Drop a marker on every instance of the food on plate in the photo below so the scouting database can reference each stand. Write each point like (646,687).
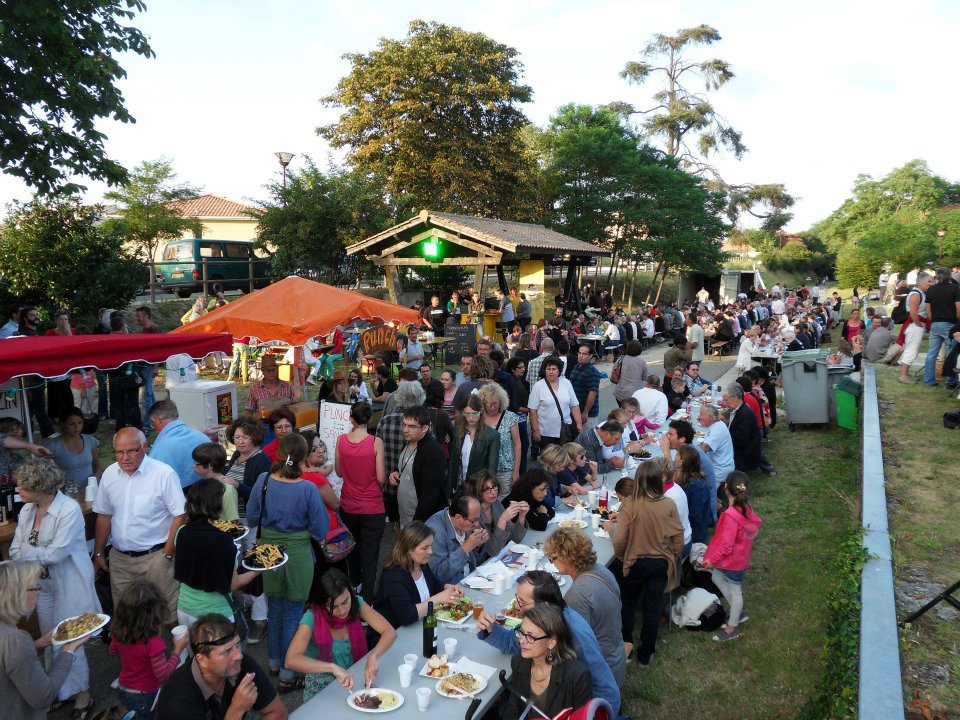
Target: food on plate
(454,611)
(438,666)
(604,513)
(375,700)
(699,434)
(234,528)
(460,684)
(641,454)
(512,611)
(75,627)
(573,523)
(263,555)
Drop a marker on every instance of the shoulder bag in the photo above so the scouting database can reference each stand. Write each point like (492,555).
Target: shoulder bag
(617,369)
(568,431)
(338,543)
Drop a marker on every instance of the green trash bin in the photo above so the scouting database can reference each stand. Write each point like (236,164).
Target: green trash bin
(847,392)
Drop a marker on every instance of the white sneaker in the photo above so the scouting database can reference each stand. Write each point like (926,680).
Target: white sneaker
(116,683)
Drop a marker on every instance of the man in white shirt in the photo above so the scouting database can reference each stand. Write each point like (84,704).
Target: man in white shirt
(778,306)
(139,507)
(652,401)
(13,322)
(648,329)
(717,442)
(413,356)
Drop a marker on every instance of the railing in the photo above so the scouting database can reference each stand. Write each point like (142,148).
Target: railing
(881,690)
(205,278)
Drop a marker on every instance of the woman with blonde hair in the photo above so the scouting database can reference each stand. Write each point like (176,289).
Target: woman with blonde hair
(52,532)
(594,593)
(476,445)
(26,688)
(505,423)
(407,584)
(748,344)
(648,542)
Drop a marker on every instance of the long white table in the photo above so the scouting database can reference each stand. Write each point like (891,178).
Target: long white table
(332,701)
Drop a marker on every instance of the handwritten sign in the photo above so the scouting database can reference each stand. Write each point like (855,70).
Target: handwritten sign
(463,341)
(13,401)
(378,339)
(332,422)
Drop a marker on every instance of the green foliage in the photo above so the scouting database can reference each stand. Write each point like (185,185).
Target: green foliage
(436,114)
(58,253)
(437,277)
(146,216)
(57,80)
(837,692)
(307,227)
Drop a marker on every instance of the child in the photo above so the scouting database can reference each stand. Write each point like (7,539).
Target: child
(579,471)
(728,553)
(210,460)
(144,662)
(623,489)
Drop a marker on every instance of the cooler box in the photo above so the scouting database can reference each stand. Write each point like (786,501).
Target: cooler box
(206,402)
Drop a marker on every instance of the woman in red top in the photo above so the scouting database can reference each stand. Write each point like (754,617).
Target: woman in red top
(359,460)
(282,422)
(852,326)
(317,469)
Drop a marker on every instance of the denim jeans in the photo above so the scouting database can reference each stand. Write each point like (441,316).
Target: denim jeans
(326,363)
(367,530)
(140,702)
(283,619)
(524,444)
(648,577)
(939,337)
(730,584)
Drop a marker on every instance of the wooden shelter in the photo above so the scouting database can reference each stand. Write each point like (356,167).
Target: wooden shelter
(432,239)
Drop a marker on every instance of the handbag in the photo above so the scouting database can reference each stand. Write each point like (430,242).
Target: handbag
(91,420)
(568,431)
(256,585)
(338,543)
(617,369)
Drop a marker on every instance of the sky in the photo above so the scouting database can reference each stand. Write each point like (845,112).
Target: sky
(824,91)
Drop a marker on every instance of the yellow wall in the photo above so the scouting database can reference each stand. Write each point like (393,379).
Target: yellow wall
(228,229)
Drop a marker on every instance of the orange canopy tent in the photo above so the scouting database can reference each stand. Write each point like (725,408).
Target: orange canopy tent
(294,310)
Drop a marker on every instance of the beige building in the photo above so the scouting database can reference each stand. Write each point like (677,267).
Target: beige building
(222,219)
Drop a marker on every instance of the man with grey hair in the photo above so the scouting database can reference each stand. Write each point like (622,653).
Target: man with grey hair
(943,310)
(744,432)
(915,323)
(139,507)
(879,340)
(716,442)
(175,441)
(547,348)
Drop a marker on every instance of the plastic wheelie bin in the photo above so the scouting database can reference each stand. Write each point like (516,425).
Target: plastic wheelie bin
(847,393)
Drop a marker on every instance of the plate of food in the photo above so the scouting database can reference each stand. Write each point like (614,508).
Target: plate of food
(640,454)
(436,667)
(234,528)
(78,627)
(512,617)
(375,700)
(460,685)
(264,556)
(455,613)
(570,523)
(699,434)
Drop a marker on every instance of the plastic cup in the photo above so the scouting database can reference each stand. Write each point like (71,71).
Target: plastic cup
(178,632)
(406,674)
(450,647)
(477,609)
(592,498)
(423,698)
(411,659)
(595,521)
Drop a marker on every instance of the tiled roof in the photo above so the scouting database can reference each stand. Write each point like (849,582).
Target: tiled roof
(212,206)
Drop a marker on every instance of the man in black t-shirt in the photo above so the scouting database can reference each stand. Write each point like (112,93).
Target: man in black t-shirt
(943,309)
(221,679)
(436,316)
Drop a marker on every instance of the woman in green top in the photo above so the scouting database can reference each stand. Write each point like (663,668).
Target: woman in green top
(331,636)
(210,461)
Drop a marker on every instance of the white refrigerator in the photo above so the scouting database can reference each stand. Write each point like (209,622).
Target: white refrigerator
(204,403)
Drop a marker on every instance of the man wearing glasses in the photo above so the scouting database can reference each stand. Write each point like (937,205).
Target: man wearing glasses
(139,507)
(457,540)
(221,681)
(538,587)
(420,487)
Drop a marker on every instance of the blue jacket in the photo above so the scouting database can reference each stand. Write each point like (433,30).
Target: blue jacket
(604,685)
(174,446)
(448,559)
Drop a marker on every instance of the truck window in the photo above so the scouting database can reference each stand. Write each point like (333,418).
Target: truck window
(211,250)
(238,250)
(174,251)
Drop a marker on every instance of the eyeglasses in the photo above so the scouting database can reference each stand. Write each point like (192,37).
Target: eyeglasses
(527,638)
(470,413)
(127,453)
(33,589)
(490,488)
(283,426)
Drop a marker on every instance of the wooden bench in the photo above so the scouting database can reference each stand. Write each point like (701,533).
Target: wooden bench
(718,347)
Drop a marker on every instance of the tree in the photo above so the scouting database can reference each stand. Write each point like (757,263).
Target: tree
(436,115)
(58,252)
(689,126)
(307,226)
(147,212)
(57,79)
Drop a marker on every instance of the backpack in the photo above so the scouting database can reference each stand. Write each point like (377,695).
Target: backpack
(951,420)
(900,312)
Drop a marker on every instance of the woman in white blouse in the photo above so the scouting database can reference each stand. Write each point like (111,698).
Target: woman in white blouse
(52,533)
(552,402)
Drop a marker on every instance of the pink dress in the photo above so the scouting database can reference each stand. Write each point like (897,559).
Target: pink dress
(361,493)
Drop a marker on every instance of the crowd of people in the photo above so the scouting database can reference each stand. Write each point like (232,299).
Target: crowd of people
(458,466)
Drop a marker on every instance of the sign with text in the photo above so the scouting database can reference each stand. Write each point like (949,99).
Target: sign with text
(13,401)
(463,341)
(378,339)
(332,422)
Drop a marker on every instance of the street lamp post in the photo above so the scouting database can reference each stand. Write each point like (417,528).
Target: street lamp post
(941,234)
(284,158)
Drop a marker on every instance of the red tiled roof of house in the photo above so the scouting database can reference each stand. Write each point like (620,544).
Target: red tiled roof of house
(210,206)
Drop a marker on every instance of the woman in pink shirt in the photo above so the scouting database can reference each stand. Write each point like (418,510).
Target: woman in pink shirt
(359,460)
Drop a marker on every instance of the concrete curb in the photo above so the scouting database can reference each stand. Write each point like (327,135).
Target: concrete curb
(881,684)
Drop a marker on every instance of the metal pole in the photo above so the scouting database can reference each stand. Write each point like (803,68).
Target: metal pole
(250,267)
(206,287)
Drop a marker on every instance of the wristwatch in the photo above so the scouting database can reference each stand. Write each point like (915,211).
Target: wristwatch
(98,554)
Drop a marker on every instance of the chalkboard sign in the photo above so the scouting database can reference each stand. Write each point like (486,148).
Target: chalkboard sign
(463,340)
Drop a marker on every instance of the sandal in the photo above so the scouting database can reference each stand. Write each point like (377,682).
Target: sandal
(82,713)
(727,635)
(285,686)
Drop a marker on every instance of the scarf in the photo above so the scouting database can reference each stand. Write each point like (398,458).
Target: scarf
(323,621)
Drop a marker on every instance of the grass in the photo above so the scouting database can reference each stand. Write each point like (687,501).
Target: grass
(921,460)
(774,670)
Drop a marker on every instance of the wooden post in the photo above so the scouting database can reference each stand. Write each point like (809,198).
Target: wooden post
(153,281)
(392,278)
(502,280)
(480,274)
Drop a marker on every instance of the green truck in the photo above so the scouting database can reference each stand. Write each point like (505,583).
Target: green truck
(228,266)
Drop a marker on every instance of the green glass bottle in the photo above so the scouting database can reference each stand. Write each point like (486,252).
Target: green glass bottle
(429,633)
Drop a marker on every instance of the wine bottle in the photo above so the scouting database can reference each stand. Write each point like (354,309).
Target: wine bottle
(429,632)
